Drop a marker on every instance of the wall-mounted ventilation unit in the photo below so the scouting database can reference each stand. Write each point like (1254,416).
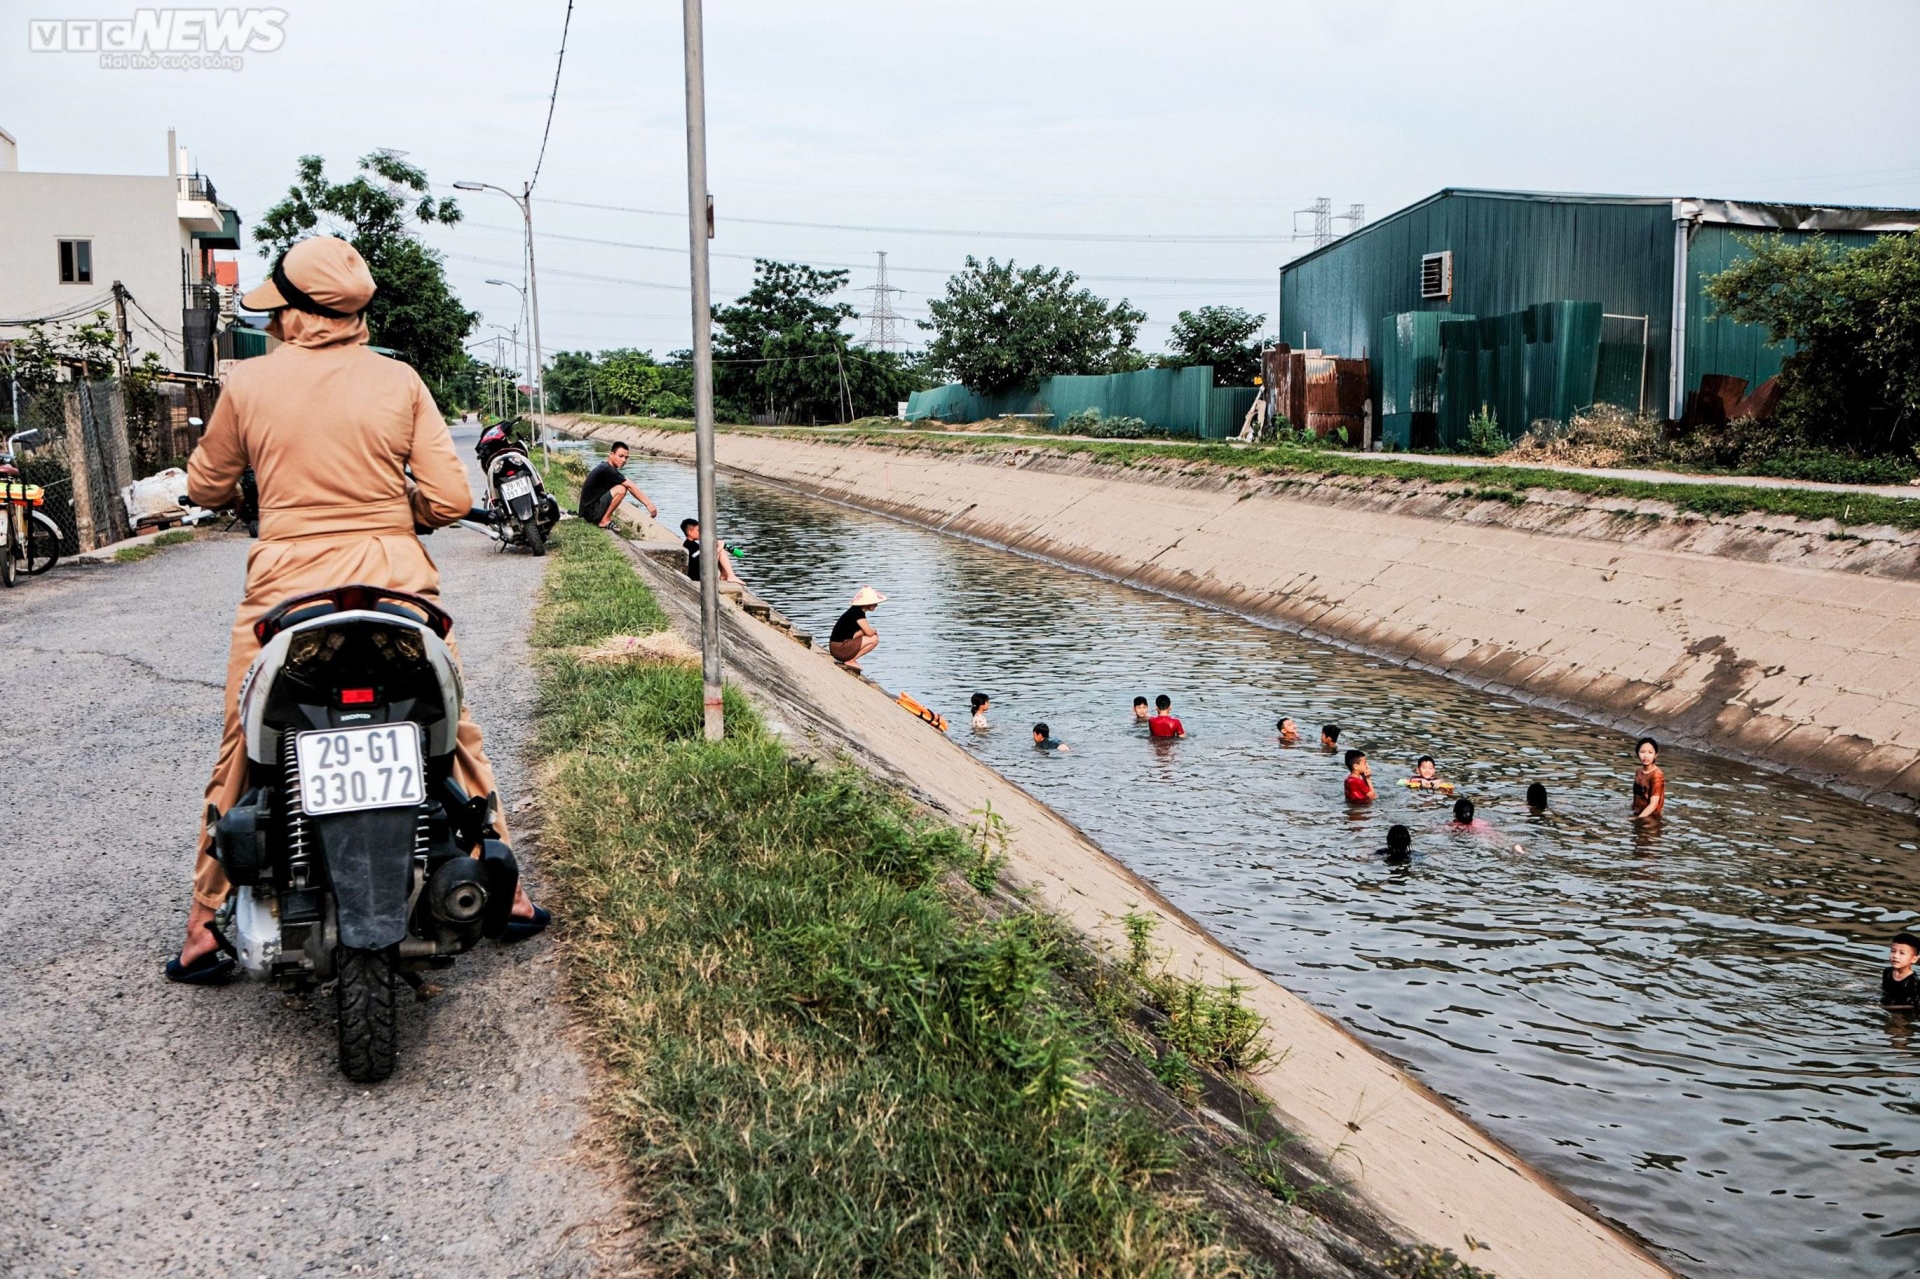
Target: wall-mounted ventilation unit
(1436,275)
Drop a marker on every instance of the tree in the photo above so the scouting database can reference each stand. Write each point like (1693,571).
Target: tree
(780,350)
(1853,380)
(414,312)
(1000,327)
(1222,336)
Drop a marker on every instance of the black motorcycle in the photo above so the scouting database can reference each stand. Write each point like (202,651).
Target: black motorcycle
(521,511)
(352,851)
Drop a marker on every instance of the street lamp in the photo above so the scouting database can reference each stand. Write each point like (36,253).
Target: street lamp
(509,284)
(524,200)
(513,341)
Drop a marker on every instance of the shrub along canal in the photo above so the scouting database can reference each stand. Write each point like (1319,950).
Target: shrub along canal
(1677,1022)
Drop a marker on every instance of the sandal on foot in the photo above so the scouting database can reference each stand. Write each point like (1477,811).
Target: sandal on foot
(211,969)
(521,929)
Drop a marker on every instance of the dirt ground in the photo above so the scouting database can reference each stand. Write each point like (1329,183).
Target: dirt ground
(154,1129)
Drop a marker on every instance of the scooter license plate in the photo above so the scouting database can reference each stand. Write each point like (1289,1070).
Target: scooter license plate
(344,770)
(517,487)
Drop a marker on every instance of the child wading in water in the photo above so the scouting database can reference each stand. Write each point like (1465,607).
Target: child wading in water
(1043,739)
(1399,847)
(1425,777)
(1140,712)
(1359,778)
(980,703)
(1289,731)
(1899,987)
(1329,738)
(1649,783)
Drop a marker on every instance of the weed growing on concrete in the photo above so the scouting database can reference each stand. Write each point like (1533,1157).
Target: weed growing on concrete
(821,1061)
(1424,1261)
(147,550)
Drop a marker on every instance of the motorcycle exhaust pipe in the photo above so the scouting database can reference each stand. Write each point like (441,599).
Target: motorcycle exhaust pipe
(457,893)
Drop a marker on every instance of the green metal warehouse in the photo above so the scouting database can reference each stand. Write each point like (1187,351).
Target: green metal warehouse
(1534,304)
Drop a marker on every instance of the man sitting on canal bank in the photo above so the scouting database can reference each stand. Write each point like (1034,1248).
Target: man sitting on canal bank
(607,486)
(853,636)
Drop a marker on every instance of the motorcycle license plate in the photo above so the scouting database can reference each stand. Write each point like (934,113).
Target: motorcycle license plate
(343,770)
(518,487)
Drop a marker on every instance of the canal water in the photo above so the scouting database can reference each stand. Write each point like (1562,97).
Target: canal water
(1679,1023)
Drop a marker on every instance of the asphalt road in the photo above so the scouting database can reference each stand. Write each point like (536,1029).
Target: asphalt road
(154,1129)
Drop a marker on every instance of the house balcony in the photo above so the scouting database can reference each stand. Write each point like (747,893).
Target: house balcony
(198,205)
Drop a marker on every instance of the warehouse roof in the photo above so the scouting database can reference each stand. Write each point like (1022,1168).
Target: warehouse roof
(1761,215)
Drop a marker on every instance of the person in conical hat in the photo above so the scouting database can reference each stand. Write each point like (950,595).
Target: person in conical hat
(853,635)
(330,429)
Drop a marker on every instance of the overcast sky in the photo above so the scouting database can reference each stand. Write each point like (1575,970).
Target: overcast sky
(1005,121)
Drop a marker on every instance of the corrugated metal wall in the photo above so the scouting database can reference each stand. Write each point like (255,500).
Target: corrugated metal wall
(1718,345)
(1183,401)
(1509,253)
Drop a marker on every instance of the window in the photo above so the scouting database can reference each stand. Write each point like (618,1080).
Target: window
(76,261)
(1436,275)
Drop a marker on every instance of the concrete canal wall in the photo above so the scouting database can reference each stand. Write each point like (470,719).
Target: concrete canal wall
(1420,1167)
(1756,637)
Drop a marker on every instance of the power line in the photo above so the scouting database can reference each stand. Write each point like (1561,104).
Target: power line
(855,266)
(1078,236)
(552,98)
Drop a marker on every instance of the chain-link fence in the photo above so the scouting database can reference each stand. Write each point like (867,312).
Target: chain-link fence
(80,459)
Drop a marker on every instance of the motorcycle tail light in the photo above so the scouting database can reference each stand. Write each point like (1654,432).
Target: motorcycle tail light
(356,697)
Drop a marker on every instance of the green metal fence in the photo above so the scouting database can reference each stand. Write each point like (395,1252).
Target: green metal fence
(1181,401)
(1538,363)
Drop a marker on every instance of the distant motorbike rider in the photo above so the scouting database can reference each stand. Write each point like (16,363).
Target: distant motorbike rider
(331,430)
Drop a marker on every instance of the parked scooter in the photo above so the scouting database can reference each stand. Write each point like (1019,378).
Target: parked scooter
(351,853)
(522,511)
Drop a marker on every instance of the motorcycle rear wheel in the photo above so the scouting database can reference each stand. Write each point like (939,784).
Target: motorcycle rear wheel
(536,538)
(364,989)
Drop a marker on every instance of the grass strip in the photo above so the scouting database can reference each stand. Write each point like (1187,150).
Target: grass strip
(1504,482)
(825,1058)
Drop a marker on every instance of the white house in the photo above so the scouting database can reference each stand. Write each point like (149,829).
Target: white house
(66,239)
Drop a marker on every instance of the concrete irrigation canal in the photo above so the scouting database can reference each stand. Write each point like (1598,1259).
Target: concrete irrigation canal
(1675,1022)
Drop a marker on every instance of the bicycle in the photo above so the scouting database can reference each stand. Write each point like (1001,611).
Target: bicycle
(31,540)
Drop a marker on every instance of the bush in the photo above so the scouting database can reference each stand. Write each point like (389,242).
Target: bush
(1484,436)
(1853,381)
(1091,422)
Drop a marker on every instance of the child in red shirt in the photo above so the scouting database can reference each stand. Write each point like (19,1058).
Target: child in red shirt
(1359,778)
(1163,724)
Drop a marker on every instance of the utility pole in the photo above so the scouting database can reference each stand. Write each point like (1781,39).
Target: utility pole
(533,302)
(699,231)
(120,324)
(883,327)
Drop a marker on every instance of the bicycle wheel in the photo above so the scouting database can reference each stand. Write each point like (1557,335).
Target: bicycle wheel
(6,547)
(43,543)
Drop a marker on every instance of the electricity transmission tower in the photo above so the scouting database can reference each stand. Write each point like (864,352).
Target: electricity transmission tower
(883,322)
(1322,211)
(1354,216)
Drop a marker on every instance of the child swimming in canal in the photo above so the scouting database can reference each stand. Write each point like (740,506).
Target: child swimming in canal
(1140,712)
(1359,778)
(1899,986)
(1043,739)
(1426,777)
(1329,738)
(1649,783)
(980,703)
(1164,723)
(1399,849)
(1288,730)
